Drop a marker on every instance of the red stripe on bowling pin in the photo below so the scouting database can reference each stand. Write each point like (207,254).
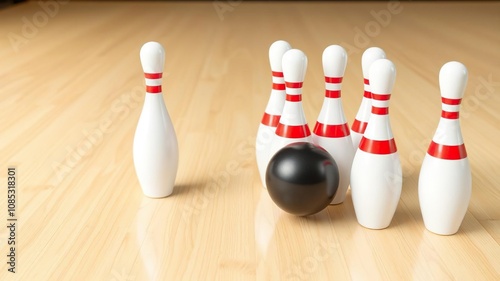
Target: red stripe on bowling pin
(293,98)
(367,94)
(293,131)
(358,126)
(380,110)
(331,131)
(278,86)
(378,146)
(293,85)
(270,120)
(334,94)
(277,74)
(153,89)
(335,80)
(381,97)
(448,152)
(153,75)
(451,101)
(450,115)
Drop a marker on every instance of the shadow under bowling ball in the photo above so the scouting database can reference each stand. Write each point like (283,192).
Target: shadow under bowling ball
(302,178)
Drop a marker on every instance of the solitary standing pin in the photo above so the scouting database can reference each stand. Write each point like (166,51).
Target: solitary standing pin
(155,148)
(445,181)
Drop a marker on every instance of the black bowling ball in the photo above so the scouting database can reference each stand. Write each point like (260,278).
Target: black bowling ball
(302,178)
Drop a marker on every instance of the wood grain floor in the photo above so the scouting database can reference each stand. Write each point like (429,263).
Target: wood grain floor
(71,91)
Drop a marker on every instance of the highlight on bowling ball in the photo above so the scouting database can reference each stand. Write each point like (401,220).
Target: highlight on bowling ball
(302,178)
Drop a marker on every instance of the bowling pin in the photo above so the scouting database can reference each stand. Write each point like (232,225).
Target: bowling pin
(155,148)
(274,108)
(292,126)
(332,131)
(376,175)
(445,182)
(361,121)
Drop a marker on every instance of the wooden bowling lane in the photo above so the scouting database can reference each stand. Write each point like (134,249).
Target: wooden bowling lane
(72,89)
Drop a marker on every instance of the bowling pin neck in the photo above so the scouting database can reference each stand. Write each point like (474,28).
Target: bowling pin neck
(378,137)
(379,127)
(154,104)
(275,103)
(367,94)
(153,83)
(450,108)
(361,121)
(332,112)
(380,104)
(333,87)
(447,143)
(293,91)
(292,123)
(278,81)
(448,131)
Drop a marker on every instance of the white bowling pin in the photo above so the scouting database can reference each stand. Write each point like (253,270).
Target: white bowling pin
(155,148)
(361,121)
(332,131)
(445,182)
(292,126)
(274,108)
(376,175)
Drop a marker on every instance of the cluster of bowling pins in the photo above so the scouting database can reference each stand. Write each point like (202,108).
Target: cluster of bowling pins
(366,153)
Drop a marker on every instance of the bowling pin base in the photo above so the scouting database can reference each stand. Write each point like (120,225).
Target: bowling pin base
(157,195)
(376,184)
(444,189)
(374,226)
(442,232)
